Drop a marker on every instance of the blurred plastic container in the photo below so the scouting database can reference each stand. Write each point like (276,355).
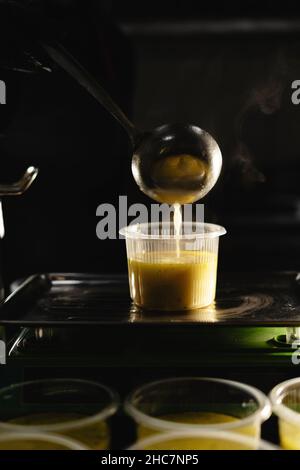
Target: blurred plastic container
(202,440)
(196,403)
(37,441)
(172,272)
(78,409)
(285,400)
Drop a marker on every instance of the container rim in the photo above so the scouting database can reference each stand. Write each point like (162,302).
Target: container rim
(105,413)
(252,442)
(283,411)
(65,441)
(206,230)
(262,413)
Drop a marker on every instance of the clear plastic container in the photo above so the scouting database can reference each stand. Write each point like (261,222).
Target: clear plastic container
(210,439)
(197,403)
(285,400)
(78,409)
(169,271)
(37,441)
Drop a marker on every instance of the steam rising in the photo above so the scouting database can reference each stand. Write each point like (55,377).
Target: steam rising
(265,97)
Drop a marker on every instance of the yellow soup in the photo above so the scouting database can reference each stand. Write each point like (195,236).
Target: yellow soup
(198,443)
(200,418)
(289,435)
(173,281)
(179,179)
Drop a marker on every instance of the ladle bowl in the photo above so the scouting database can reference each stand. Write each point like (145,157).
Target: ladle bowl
(176,163)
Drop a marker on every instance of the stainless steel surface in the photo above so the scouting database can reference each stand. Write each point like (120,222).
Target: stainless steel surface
(244,299)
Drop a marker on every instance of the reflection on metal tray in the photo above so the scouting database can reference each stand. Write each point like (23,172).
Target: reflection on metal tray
(82,299)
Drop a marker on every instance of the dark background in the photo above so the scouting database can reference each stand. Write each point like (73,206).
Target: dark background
(225,67)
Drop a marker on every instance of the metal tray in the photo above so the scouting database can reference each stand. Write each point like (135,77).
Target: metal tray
(271,299)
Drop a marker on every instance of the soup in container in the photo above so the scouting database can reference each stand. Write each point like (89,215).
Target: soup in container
(73,408)
(172,271)
(285,400)
(197,404)
(210,439)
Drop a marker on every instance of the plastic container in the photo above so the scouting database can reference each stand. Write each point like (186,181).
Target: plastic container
(75,408)
(37,441)
(285,400)
(210,439)
(169,271)
(197,403)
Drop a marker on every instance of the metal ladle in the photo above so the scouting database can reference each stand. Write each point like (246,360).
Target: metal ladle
(173,163)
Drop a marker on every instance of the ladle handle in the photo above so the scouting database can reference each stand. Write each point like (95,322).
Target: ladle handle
(67,62)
